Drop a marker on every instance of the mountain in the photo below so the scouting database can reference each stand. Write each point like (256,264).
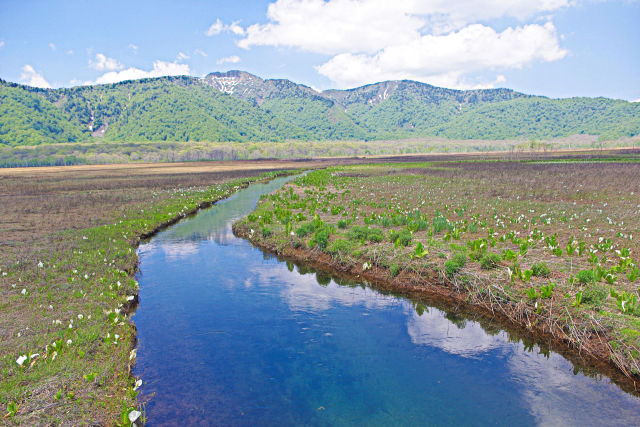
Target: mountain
(238,106)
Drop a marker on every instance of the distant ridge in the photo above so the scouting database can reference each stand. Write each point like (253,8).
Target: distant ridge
(239,106)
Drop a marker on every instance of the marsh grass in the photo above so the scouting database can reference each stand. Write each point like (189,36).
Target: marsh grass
(538,242)
(67,286)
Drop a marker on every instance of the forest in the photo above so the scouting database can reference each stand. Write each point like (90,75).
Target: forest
(186,109)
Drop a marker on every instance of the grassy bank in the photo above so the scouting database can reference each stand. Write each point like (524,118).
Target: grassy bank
(546,246)
(67,286)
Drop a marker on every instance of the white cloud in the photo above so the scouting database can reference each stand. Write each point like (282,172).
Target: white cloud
(1,43)
(160,68)
(182,56)
(339,26)
(236,29)
(133,47)
(215,28)
(635,100)
(445,59)
(218,27)
(70,52)
(200,52)
(439,41)
(31,77)
(104,63)
(228,60)
(52,46)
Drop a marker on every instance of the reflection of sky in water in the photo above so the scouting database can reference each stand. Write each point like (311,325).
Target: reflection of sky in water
(228,335)
(467,339)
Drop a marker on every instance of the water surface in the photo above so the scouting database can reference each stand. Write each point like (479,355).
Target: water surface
(231,336)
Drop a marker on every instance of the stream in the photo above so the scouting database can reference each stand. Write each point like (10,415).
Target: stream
(228,335)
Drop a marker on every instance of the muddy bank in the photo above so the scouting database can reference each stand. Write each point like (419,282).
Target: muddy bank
(590,353)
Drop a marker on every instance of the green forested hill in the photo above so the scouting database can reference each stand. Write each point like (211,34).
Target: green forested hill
(27,117)
(238,106)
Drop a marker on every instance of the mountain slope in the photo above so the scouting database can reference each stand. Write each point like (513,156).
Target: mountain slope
(27,118)
(238,106)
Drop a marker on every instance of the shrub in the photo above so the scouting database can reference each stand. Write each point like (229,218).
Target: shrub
(357,233)
(455,264)
(375,235)
(460,258)
(266,232)
(403,236)
(363,233)
(394,270)
(541,269)
(305,229)
(341,246)
(321,238)
(594,295)
(342,224)
(490,260)
(584,277)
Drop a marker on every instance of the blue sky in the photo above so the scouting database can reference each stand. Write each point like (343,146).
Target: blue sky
(557,48)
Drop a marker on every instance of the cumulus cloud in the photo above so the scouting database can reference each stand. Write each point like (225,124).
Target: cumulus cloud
(218,27)
(445,59)
(102,62)
(160,68)
(438,41)
(236,29)
(31,77)
(228,60)
(338,26)
(215,28)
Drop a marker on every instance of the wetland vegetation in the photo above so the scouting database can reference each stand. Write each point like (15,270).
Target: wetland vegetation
(548,246)
(67,286)
(544,243)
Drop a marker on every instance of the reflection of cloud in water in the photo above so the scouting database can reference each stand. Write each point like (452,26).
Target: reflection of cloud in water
(178,250)
(557,397)
(223,235)
(468,340)
(553,393)
(302,292)
(172,250)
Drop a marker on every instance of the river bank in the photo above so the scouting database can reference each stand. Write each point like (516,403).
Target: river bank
(437,291)
(66,342)
(341,221)
(247,338)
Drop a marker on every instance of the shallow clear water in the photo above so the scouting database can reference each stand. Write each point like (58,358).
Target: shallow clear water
(230,336)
